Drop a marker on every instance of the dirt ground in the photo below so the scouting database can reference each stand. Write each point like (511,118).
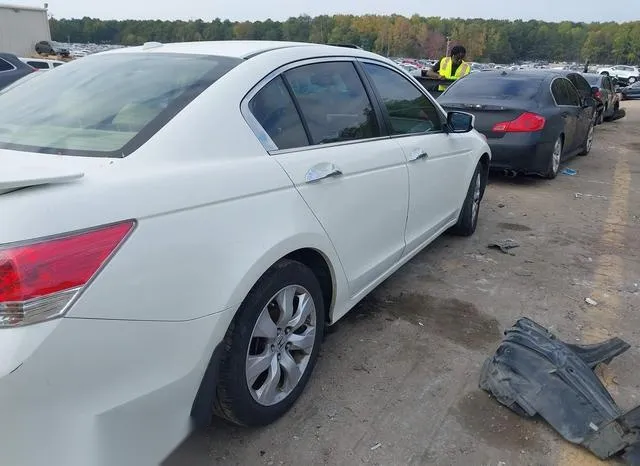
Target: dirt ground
(397,380)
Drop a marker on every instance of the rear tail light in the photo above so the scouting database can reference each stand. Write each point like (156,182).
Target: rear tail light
(526,123)
(597,95)
(39,279)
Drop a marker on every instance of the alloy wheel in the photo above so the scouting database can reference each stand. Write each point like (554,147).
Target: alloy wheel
(556,156)
(281,345)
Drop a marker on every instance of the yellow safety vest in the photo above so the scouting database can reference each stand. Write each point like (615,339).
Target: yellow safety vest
(446,65)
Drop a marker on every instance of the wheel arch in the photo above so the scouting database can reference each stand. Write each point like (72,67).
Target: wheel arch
(321,264)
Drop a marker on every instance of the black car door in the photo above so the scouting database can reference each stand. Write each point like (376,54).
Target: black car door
(568,111)
(584,115)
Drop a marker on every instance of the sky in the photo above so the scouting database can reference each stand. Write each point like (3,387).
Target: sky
(252,10)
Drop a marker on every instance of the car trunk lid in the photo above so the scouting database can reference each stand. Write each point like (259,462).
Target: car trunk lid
(488,114)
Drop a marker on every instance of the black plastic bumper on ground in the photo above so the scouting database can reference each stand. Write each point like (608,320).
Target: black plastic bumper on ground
(533,372)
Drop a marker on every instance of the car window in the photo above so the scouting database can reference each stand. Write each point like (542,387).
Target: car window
(333,102)
(91,112)
(5,65)
(572,93)
(274,109)
(493,86)
(580,83)
(409,110)
(38,64)
(55,65)
(561,92)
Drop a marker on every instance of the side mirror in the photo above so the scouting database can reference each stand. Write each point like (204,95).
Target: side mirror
(460,122)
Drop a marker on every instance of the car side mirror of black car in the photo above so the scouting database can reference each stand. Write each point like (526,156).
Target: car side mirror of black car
(460,122)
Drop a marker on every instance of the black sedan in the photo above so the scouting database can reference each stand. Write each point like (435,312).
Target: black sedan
(532,120)
(12,69)
(631,92)
(604,90)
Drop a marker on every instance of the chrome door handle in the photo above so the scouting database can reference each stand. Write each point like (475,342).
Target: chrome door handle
(321,171)
(418,154)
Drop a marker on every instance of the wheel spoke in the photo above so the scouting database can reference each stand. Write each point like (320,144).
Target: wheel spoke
(303,342)
(257,365)
(268,392)
(265,326)
(285,302)
(305,307)
(291,370)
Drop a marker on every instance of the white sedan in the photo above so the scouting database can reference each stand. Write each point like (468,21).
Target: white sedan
(181,222)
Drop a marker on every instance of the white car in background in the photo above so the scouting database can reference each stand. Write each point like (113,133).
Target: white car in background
(629,74)
(181,222)
(41,64)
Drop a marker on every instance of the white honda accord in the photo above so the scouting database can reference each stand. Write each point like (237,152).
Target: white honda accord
(179,223)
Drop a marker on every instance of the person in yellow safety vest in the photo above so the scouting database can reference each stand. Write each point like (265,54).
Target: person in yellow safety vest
(450,68)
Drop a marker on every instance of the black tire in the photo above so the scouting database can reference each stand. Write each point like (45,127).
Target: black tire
(600,116)
(552,169)
(234,401)
(632,80)
(586,147)
(468,218)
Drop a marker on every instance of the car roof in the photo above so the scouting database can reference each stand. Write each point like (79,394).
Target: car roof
(242,49)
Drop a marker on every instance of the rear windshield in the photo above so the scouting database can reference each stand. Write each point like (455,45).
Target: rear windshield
(104,105)
(493,87)
(592,80)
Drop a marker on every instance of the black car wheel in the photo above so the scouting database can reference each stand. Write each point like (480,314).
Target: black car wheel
(588,141)
(271,347)
(554,159)
(632,80)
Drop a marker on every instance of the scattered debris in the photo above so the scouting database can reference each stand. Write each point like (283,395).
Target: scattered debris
(593,302)
(592,196)
(534,373)
(376,446)
(420,324)
(569,171)
(504,245)
(501,205)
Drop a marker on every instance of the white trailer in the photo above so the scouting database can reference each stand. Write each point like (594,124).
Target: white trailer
(21,27)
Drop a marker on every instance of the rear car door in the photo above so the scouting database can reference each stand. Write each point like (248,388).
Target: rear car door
(569,111)
(439,163)
(323,129)
(585,114)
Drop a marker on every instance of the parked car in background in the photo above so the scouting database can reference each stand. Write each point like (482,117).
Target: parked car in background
(124,323)
(626,74)
(41,64)
(50,47)
(533,120)
(12,69)
(412,69)
(631,92)
(604,90)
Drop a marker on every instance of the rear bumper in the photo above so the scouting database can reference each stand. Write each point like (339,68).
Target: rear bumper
(525,153)
(97,392)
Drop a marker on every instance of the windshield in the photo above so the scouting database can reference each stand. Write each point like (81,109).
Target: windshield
(493,87)
(104,105)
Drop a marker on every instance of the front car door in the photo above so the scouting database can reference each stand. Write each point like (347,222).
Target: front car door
(318,121)
(440,164)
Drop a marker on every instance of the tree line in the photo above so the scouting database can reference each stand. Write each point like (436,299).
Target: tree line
(497,41)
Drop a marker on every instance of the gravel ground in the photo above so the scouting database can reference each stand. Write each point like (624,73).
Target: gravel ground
(396,382)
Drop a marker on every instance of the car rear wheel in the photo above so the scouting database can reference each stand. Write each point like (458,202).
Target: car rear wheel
(271,346)
(588,142)
(554,159)
(468,219)
(632,80)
